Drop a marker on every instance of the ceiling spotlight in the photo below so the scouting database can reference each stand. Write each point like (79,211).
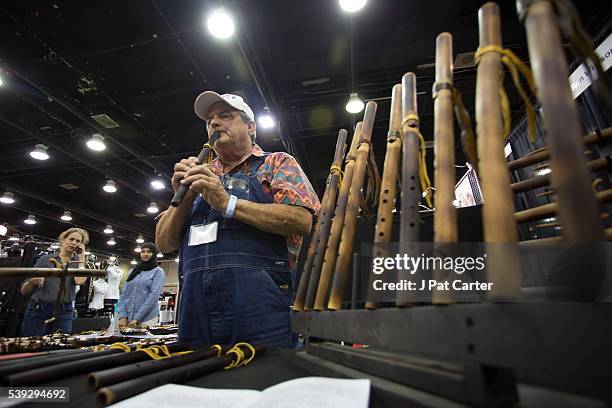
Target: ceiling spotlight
(354,104)
(266,121)
(54,246)
(133,262)
(352,6)
(3,230)
(111,241)
(96,143)
(66,216)
(108,229)
(112,258)
(14,237)
(110,186)
(158,184)
(7,198)
(153,209)
(160,255)
(176,259)
(40,152)
(140,239)
(31,220)
(137,249)
(87,253)
(220,24)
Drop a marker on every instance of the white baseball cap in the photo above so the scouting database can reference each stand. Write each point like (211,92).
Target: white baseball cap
(206,99)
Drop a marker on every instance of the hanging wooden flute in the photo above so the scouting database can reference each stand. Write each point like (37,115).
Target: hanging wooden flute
(345,251)
(503,268)
(411,195)
(320,235)
(99,379)
(326,215)
(578,211)
(445,216)
(329,259)
(48,373)
(177,375)
(386,203)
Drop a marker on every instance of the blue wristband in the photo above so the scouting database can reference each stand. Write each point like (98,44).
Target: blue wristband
(231,206)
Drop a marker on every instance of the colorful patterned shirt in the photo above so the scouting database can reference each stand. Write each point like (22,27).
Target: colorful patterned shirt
(284,181)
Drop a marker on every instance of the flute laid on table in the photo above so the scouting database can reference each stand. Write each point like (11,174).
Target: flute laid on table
(386,203)
(320,233)
(329,259)
(578,211)
(345,251)
(177,375)
(445,216)
(99,379)
(503,268)
(326,215)
(205,153)
(411,195)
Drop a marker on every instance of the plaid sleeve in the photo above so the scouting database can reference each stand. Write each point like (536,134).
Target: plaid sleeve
(288,183)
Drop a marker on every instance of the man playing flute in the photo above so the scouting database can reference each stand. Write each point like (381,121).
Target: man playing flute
(239,229)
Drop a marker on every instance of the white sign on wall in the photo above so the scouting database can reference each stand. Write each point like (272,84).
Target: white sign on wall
(580,79)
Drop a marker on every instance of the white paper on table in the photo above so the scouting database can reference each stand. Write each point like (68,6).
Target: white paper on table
(173,395)
(308,392)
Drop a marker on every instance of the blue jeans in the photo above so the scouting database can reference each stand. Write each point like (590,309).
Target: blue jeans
(36,314)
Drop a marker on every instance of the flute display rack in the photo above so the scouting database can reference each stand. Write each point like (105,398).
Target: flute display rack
(515,348)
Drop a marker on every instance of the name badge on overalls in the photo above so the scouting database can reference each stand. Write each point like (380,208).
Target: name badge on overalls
(203,233)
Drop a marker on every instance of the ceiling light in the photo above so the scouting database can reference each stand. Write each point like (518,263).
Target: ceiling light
(7,198)
(176,259)
(354,104)
(112,258)
(352,6)
(87,253)
(266,121)
(96,142)
(1,81)
(40,152)
(140,239)
(160,255)
(54,246)
(220,24)
(14,237)
(110,186)
(158,184)
(31,220)
(137,249)
(153,209)
(3,230)
(66,216)
(133,262)
(108,229)
(111,241)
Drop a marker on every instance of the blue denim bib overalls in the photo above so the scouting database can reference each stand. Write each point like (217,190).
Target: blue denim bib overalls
(237,288)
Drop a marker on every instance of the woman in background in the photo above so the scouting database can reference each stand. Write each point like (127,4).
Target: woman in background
(137,304)
(44,291)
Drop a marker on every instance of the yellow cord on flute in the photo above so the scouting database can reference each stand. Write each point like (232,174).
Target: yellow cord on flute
(218,348)
(209,157)
(120,346)
(515,66)
(423,176)
(239,357)
(251,349)
(335,168)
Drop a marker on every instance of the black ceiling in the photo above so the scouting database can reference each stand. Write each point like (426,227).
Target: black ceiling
(143,62)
